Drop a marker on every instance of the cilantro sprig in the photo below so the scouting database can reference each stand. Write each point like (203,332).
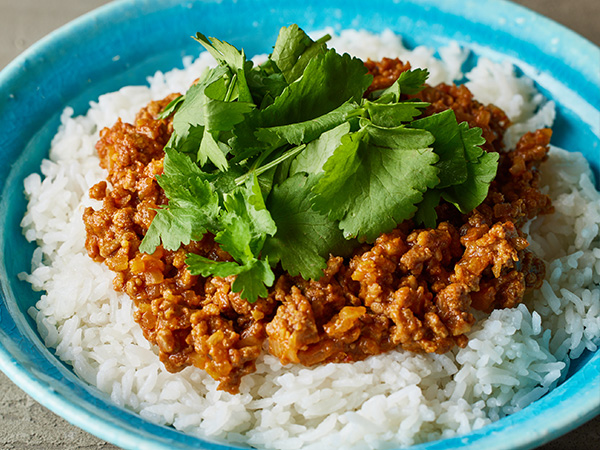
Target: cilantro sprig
(287,162)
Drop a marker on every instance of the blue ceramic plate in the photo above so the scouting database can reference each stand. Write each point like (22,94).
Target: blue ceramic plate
(123,42)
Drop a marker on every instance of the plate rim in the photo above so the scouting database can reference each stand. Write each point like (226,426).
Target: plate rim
(35,387)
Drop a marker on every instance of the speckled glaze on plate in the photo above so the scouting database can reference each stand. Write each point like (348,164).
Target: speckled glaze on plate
(123,42)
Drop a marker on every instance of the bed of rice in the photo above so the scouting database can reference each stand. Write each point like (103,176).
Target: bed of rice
(398,399)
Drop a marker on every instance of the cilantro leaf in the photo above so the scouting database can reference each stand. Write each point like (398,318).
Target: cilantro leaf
(252,282)
(199,265)
(189,143)
(187,115)
(409,82)
(448,145)
(298,133)
(393,203)
(319,91)
(242,227)
(216,112)
(393,114)
(319,150)
(311,168)
(229,56)
(265,85)
(375,179)
(241,231)
(192,209)
(400,137)
(304,237)
(481,170)
(204,112)
(338,171)
(211,149)
(426,213)
(252,278)
(172,227)
(171,107)
(293,50)
(222,51)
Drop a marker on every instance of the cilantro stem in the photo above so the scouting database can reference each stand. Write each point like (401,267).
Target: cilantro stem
(230,88)
(323,39)
(262,169)
(261,158)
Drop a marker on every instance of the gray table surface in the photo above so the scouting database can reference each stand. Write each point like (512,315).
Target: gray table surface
(26,425)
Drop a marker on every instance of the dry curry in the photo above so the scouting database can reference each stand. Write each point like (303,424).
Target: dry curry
(412,287)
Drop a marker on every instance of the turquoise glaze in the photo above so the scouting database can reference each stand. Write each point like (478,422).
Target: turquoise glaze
(125,41)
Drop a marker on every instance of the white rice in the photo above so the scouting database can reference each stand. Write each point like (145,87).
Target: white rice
(514,356)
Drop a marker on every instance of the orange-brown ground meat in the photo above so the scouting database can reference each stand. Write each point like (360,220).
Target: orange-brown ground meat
(412,288)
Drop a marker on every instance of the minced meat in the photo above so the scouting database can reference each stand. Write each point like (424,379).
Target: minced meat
(413,289)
